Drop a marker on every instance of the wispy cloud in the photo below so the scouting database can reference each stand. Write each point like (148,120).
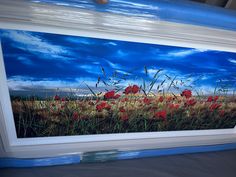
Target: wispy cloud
(121,53)
(110,43)
(232,60)
(114,65)
(36,45)
(32,42)
(184,53)
(93,69)
(79,40)
(22,82)
(25,61)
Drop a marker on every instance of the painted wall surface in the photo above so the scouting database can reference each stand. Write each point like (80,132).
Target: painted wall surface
(68,85)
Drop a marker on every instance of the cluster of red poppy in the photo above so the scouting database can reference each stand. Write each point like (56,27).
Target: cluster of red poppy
(103,105)
(212,99)
(58,98)
(215,106)
(161,115)
(123,115)
(111,95)
(186,93)
(147,101)
(124,100)
(132,89)
(174,106)
(190,102)
(161,99)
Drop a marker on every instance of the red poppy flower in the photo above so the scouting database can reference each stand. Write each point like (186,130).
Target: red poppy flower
(101,106)
(125,100)
(75,115)
(135,89)
(190,102)
(210,99)
(128,90)
(122,109)
(160,115)
(186,93)
(147,101)
(56,97)
(215,106)
(174,106)
(124,117)
(161,99)
(109,95)
(108,107)
(116,96)
(216,98)
(131,89)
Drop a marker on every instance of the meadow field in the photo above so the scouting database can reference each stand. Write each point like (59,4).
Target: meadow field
(123,112)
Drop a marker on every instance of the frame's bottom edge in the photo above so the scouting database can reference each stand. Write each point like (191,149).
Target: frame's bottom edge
(102,156)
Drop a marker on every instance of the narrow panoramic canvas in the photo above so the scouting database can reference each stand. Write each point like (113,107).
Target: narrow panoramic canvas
(68,85)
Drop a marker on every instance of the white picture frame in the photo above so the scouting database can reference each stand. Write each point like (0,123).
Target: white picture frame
(157,32)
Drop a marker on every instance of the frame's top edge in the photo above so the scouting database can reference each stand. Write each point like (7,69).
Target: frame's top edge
(168,10)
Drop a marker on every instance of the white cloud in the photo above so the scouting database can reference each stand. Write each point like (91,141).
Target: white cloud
(94,69)
(184,53)
(205,90)
(25,60)
(24,82)
(77,87)
(122,72)
(151,72)
(121,53)
(128,82)
(114,65)
(34,44)
(79,40)
(110,43)
(232,60)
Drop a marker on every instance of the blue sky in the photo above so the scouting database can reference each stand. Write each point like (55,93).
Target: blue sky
(50,61)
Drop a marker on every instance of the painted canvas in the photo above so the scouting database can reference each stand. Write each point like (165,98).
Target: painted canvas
(68,85)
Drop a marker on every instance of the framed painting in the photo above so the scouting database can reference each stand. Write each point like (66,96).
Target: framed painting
(95,87)
(64,85)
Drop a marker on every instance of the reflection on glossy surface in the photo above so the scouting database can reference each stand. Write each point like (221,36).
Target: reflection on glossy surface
(176,11)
